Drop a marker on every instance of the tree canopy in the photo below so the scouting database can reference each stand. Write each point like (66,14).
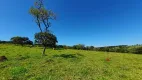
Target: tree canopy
(21,40)
(47,39)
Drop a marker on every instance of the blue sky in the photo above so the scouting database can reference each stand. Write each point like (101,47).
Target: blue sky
(89,22)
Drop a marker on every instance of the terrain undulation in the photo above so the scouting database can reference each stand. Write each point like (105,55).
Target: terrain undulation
(25,63)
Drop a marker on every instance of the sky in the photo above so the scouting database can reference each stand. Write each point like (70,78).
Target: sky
(88,22)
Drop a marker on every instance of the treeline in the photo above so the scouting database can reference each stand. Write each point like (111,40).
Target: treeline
(3,42)
(77,47)
(137,49)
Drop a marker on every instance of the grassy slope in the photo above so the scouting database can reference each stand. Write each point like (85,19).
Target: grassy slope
(25,63)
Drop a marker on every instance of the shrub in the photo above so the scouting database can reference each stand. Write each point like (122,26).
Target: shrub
(138,50)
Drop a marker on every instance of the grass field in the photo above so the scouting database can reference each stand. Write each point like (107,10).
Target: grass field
(25,63)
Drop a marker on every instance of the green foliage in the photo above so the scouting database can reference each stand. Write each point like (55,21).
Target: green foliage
(122,48)
(21,40)
(47,39)
(79,47)
(5,42)
(138,50)
(89,48)
(42,15)
(39,10)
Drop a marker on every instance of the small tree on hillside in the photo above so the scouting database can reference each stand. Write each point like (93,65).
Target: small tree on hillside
(42,17)
(46,39)
(21,40)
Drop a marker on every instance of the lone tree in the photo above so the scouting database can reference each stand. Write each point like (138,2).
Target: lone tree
(21,40)
(47,39)
(42,17)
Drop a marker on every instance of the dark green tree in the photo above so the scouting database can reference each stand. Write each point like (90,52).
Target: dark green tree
(47,39)
(42,17)
(79,46)
(91,47)
(21,40)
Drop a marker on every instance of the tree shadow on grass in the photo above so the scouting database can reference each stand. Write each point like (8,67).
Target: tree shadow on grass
(69,55)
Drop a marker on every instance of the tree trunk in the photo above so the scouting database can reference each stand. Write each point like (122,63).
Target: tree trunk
(43,53)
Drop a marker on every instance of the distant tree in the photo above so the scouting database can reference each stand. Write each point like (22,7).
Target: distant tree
(60,46)
(46,39)
(21,40)
(87,48)
(65,46)
(42,17)
(29,42)
(91,48)
(74,47)
(79,46)
(17,40)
